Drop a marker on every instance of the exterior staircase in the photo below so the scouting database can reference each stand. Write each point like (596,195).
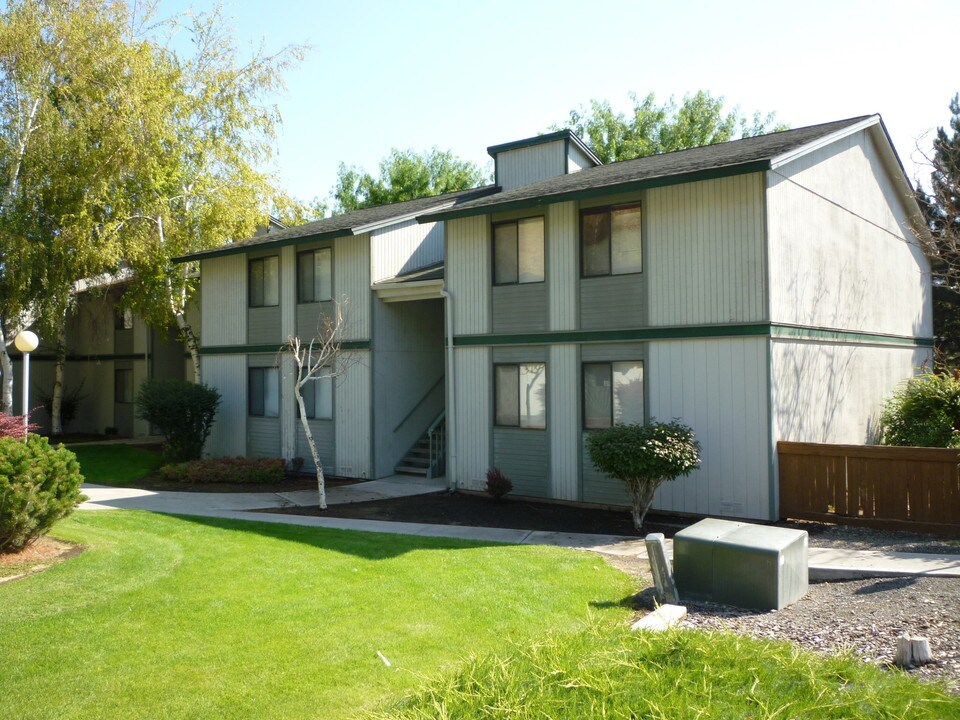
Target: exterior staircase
(427,457)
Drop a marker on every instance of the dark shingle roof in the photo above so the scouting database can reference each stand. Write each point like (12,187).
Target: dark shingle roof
(340,225)
(746,155)
(431,272)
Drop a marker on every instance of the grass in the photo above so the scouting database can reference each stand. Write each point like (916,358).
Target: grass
(116,465)
(172,617)
(610,672)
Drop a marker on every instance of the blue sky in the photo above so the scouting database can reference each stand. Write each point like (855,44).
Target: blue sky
(463,76)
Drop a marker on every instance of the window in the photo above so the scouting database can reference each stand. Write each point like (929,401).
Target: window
(123,386)
(313,276)
(263,393)
(521,395)
(518,252)
(265,282)
(123,319)
(318,397)
(610,241)
(612,394)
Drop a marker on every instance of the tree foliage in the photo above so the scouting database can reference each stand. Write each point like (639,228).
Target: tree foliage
(924,411)
(941,208)
(651,128)
(404,175)
(182,411)
(644,457)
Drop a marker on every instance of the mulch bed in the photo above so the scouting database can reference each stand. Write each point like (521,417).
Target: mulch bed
(37,556)
(481,511)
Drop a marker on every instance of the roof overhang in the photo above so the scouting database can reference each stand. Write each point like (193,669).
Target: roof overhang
(237,249)
(406,291)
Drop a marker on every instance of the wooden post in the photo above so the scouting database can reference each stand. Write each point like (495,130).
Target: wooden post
(660,569)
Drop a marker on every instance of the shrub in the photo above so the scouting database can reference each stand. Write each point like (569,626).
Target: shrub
(39,485)
(226,470)
(296,464)
(498,484)
(69,403)
(923,412)
(644,457)
(182,411)
(12,426)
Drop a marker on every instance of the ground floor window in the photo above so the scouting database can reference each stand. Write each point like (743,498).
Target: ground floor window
(612,394)
(318,397)
(123,386)
(263,395)
(521,395)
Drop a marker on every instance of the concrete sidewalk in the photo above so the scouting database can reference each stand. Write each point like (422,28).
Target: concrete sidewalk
(824,563)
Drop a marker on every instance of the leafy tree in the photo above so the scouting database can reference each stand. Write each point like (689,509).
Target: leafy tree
(651,129)
(923,412)
(197,183)
(644,457)
(941,208)
(404,175)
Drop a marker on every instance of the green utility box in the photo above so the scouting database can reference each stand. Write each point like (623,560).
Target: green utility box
(739,564)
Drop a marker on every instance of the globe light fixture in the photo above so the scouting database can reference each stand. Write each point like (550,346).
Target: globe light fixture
(26,342)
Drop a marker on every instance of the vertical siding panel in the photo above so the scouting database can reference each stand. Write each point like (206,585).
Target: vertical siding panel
(351,276)
(562,249)
(404,247)
(224,298)
(352,401)
(227,373)
(468,274)
(530,164)
(705,252)
(288,327)
(564,421)
(716,387)
(474,417)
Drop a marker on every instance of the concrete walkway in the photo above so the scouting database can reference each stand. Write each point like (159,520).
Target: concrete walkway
(824,563)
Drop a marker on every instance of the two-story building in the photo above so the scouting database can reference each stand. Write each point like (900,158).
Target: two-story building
(770,288)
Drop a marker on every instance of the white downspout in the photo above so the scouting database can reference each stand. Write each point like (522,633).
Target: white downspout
(451,395)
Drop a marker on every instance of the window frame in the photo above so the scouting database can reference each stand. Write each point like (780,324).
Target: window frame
(519,425)
(262,370)
(118,397)
(313,252)
(493,250)
(262,261)
(608,210)
(612,404)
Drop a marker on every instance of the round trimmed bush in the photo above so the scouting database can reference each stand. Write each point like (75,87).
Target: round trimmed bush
(182,411)
(39,485)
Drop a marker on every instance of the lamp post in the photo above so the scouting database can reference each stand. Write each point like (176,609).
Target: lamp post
(26,342)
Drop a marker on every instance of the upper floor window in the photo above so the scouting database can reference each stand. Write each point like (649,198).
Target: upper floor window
(521,395)
(314,279)
(318,397)
(263,392)
(265,281)
(612,394)
(610,241)
(123,319)
(518,251)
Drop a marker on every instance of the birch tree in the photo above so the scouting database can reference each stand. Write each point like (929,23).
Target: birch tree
(315,360)
(200,184)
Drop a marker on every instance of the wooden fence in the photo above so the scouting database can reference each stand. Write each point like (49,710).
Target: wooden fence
(899,488)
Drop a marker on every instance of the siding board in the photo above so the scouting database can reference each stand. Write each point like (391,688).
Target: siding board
(405,247)
(563,421)
(224,300)
(474,417)
(520,308)
(263,437)
(523,166)
(562,266)
(468,274)
(227,373)
(352,412)
(351,277)
(523,456)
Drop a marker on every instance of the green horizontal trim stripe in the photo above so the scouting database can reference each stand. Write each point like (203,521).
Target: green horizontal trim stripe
(261,349)
(691,332)
(588,193)
(265,245)
(800,332)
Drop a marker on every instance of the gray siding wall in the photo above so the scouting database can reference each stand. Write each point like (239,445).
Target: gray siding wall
(523,456)
(223,302)
(577,159)
(324,437)
(404,247)
(530,164)
(263,437)
(520,308)
(471,425)
(227,373)
(310,318)
(615,301)
(408,370)
(263,326)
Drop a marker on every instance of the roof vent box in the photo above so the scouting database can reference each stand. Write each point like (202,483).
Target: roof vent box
(741,564)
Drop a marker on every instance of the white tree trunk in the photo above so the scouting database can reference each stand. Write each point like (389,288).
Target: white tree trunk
(321,482)
(6,368)
(193,344)
(56,421)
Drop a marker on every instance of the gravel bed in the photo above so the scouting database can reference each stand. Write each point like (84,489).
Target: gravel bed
(862,617)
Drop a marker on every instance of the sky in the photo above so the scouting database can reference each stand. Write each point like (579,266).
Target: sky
(460,76)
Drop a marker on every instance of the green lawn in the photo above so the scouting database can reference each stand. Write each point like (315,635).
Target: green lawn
(607,671)
(117,465)
(170,617)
